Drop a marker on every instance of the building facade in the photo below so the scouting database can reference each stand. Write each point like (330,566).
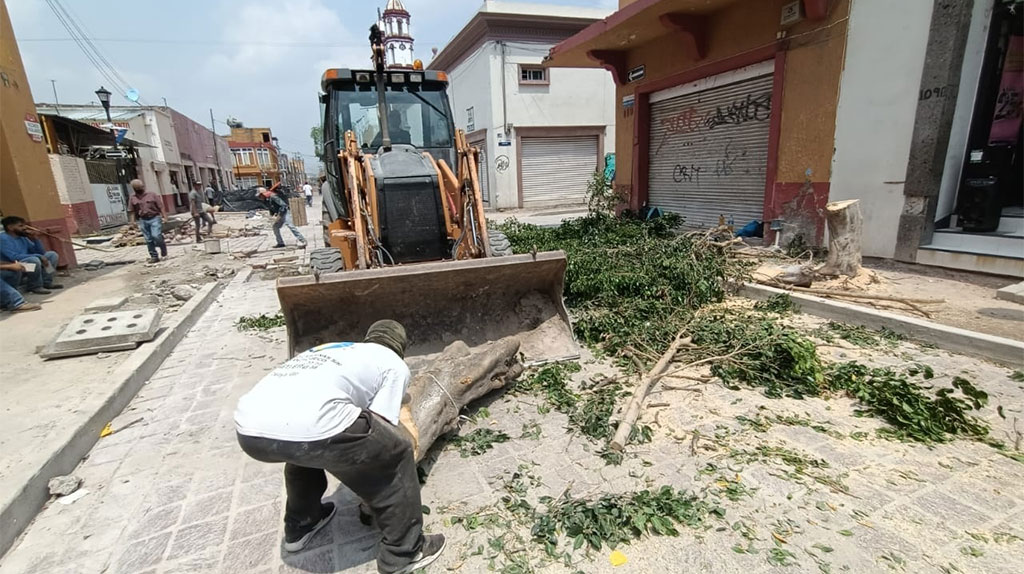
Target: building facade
(27,187)
(542,132)
(767,111)
(170,149)
(254,153)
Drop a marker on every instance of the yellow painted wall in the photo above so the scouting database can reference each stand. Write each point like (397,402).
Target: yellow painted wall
(27,187)
(811,85)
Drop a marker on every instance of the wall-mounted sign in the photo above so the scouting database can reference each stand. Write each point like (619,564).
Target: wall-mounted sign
(628,101)
(35,131)
(792,13)
(636,73)
(504,143)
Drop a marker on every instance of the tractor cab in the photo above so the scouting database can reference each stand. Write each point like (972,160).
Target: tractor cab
(418,113)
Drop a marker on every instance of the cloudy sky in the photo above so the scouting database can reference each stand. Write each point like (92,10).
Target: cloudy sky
(256,60)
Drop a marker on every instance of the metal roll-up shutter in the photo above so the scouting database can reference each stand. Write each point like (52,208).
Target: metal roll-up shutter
(709,152)
(556,170)
(481,174)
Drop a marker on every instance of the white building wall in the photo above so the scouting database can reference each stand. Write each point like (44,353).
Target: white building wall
(573,97)
(885,54)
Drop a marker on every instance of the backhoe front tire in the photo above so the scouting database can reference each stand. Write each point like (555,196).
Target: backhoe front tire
(326,260)
(500,246)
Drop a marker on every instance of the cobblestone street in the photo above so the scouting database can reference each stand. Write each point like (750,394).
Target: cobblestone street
(174,494)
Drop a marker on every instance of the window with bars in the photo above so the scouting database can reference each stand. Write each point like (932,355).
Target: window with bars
(533,75)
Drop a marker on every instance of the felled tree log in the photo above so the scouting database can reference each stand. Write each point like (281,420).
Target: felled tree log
(845,228)
(457,377)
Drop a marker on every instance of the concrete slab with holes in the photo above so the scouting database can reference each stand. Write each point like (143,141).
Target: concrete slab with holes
(98,332)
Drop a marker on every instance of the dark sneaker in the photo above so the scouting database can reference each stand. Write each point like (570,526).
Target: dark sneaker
(280,246)
(41,291)
(152,260)
(433,544)
(295,541)
(54,286)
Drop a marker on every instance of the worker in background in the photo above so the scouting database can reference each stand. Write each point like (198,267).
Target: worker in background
(19,244)
(10,299)
(147,209)
(282,216)
(307,190)
(211,200)
(336,408)
(200,212)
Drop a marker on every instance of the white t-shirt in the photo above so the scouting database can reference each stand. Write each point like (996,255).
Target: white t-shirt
(319,393)
(307,189)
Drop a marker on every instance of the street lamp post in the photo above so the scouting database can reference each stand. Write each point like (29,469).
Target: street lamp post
(104,96)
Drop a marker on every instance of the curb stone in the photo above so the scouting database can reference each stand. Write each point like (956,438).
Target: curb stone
(19,508)
(1006,352)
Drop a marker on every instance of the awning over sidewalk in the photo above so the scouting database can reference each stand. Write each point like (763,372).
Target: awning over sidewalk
(607,42)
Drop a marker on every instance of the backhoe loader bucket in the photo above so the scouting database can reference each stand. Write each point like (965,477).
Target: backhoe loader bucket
(475,301)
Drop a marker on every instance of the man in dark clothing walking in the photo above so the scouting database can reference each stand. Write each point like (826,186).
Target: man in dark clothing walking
(336,408)
(147,209)
(282,216)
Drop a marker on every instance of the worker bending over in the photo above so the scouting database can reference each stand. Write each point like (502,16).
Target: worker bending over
(335,407)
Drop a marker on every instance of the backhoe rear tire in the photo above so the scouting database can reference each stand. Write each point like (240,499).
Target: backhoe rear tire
(326,260)
(499,243)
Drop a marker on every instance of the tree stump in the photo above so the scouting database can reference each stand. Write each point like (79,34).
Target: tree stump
(457,377)
(845,229)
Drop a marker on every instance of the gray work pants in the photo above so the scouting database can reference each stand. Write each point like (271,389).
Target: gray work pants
(285,219)
(374,460)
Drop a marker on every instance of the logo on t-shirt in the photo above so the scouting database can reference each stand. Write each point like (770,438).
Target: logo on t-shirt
(327,346)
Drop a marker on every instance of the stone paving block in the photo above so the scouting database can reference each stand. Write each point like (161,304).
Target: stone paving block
(106,304)
(168,493)
(257,520)
(155,520)
(983,497)
(143,554)
(106,329)
(261,491)
(246,555)
(946,508)
(210,506)
(205,563)
(213,481)
(197,538)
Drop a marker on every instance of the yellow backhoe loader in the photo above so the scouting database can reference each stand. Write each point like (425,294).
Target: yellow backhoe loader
(405,229)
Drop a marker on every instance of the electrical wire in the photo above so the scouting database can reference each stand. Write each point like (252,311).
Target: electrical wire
(92,59)
(81,38)
(84,34)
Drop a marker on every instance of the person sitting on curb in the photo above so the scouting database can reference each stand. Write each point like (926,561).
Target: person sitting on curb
(19,244)
(335,408)
(148,210)
(10,299)
(282,216)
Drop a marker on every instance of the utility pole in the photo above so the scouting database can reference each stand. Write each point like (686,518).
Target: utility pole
(216,153)
(55,100)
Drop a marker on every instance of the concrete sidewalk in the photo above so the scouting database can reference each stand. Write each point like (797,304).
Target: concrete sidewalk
(50,407)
